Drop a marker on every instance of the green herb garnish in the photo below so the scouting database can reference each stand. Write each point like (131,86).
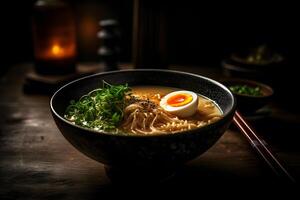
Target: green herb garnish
(246,90)
(100,109)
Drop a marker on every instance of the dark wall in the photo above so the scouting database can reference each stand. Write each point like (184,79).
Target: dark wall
(198,33)
(203,33)
(16,41)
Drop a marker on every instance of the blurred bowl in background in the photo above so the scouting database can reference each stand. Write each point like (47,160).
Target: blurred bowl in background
(248,103)
(261,64)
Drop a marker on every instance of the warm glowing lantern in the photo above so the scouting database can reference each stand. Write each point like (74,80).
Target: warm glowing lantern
(54,37)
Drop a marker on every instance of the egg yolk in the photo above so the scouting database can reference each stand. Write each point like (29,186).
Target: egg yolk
(179,100)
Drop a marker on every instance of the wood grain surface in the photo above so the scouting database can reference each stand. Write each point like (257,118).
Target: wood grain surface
(37,162)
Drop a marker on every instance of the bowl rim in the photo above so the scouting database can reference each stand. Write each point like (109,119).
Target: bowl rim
(104,133)
(247,81)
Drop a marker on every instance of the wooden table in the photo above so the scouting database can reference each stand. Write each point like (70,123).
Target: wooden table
(37,162)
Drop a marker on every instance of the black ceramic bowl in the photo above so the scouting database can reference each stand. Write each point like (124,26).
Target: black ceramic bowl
(157,151)
(247,103)
(270,70)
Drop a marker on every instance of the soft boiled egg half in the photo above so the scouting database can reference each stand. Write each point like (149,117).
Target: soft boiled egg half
(180,103)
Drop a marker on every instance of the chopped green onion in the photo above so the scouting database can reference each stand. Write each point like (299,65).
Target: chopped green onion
(246,90)
(100,109)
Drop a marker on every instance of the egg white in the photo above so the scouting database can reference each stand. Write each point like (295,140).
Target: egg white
(181,111)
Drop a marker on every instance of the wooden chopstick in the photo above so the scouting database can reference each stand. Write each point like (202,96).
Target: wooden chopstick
(261,147)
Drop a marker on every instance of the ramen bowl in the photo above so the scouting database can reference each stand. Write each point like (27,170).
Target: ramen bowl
(150,151)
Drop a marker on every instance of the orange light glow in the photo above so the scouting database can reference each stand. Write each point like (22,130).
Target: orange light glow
(179,100)
(56,50)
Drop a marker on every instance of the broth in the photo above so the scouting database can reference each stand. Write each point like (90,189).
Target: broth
(205,109)
(139,110)
(208,111)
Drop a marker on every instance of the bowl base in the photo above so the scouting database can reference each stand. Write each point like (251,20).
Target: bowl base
(137,175)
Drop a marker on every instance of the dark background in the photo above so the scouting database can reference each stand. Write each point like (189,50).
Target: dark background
(197,33)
